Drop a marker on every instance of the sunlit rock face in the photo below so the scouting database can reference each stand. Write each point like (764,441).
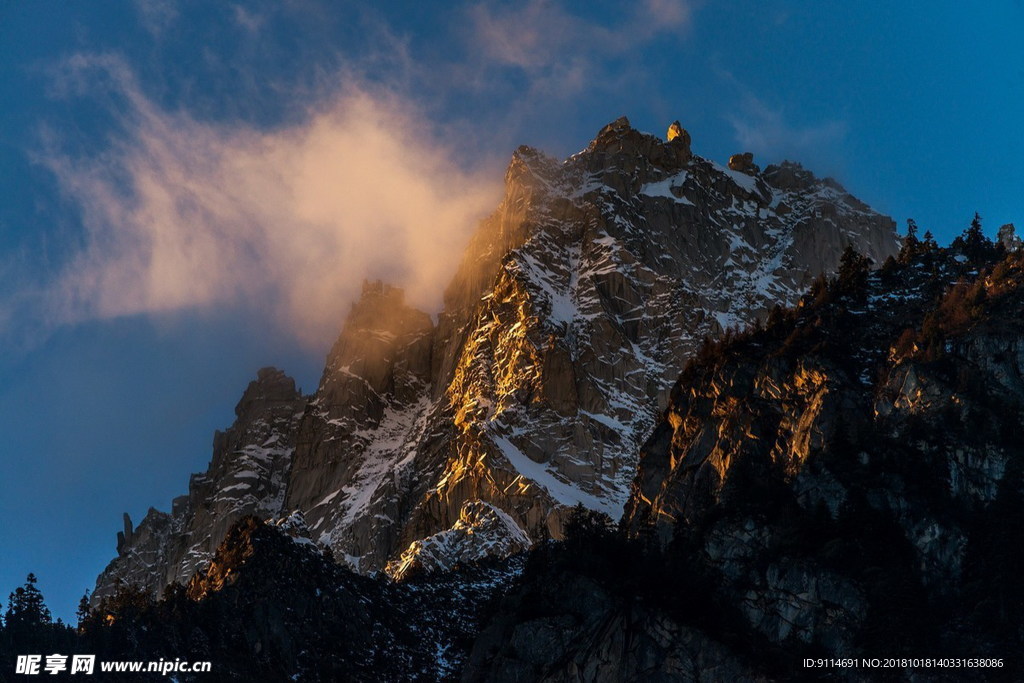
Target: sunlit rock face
(677,131)
(247,476)
(482,531)
(577,303)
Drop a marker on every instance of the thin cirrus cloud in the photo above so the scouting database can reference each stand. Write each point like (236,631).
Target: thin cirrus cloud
(182,214)
(766,130)
(559,50)
(761,128)
(156,15)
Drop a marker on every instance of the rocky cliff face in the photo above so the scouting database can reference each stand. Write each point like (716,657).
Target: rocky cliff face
(844,481)
(247,476)
(578,302)
(357,435)
(575,307)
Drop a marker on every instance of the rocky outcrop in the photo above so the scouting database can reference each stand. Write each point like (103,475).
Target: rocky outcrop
(1009,238)
(744,163)
(126,536)
(677,132)
(483,531)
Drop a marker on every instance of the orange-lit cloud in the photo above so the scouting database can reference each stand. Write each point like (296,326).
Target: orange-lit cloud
(182,213)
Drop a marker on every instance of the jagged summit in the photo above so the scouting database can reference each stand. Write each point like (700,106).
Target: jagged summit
(744,163)
(270,386)
(619,146)
(677,131)
(575,307)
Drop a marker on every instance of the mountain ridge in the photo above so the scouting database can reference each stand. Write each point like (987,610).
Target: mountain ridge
(842,481)
(576,305)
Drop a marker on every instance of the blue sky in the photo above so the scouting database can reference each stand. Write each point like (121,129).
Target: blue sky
(193,190)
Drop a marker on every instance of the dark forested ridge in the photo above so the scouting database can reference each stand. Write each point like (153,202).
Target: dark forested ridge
(843,481)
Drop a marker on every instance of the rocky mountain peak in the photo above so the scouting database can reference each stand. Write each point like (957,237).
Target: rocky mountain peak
(676,130)
(374,291)
(530,168)
(744,163)
(270,386)
(788,175)
(383,351)
(381,308)
(611,133)
(621,150)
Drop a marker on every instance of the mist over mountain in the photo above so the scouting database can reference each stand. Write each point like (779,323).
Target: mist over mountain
(576,306)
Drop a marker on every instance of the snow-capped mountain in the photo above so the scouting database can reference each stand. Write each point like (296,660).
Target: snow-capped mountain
(577,304)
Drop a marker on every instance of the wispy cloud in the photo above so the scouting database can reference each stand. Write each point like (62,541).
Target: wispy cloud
(767,130)
(187,210)
(181,213)
(156,15)
(561,51)
(251,20)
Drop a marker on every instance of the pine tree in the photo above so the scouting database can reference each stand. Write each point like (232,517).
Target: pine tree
(585,526)
(929,241)
(911,244)
(853,272)
(776,317)
(973,243)
(28,621)
(83,610)
(974,233)
(27,607)
(820,294)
